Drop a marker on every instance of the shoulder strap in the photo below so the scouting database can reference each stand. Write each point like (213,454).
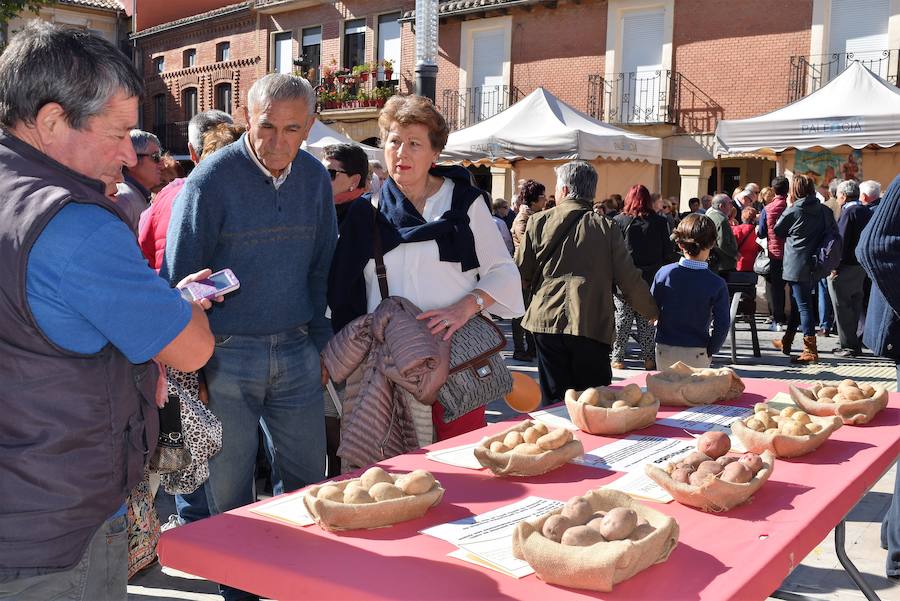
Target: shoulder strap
(378,255)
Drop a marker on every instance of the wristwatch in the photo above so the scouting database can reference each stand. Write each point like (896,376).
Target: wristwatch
(479,300)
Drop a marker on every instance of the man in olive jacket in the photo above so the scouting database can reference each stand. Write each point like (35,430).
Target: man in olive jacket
(726,248)
(571,261)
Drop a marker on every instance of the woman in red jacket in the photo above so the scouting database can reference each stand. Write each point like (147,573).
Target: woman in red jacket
(745,234)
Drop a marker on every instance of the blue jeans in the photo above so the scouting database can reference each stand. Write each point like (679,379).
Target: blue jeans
(193,506)
(890,526)
(101,573)
(826,308)
(801,292)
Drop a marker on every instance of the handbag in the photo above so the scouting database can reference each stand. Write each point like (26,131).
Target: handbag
(477,373)
(171,453)
(762,265)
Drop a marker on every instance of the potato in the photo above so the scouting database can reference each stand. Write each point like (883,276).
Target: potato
(499,447)
(710,467)
(772,431)
(726,459)
(763,417)
(530,435)
(755,424)
(713,444)
(554,439)
(382,491)
(853,394)
(641,530)
(541,428)
(682,474)
(695,459)
(581,536)
(801,417)
(618,523)
(331,493)
(631,394)
(578,511)
(868,390)
(621,405)
(700,478)
(372,476)
(737,472)
(753,461)
(596,523)
(513,439)
(760,407)
(794,429)
(527,448)
(813,427)
(555,526)
(827,392)
(788,411)
(590,396)
(848,383)
(838,398)
(416,482)
(357,496)
(354,484)
(647,399)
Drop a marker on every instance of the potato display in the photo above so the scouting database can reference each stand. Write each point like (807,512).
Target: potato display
(527,449)
(595,541)
(375,499)
(683,385)
(789,432)
(855,404)
(605,410)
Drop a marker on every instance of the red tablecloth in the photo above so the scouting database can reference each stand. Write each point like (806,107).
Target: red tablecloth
(743,554)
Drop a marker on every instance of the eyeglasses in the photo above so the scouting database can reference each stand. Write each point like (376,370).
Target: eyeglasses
(155,157)
(333,173)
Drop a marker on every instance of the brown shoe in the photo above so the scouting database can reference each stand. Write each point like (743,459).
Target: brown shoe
(618,365)
(649,365)
(784,345)
(810,353)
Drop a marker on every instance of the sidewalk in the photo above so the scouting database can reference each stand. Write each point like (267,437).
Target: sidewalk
(818,576)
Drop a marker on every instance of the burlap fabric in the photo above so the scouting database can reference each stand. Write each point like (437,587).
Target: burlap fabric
(600,566)
(331,515)
(600,420)
(683,385)
(517,464)
(715,495)
(783,445)
(852,413)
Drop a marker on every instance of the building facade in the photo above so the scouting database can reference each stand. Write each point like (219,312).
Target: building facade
(106,18)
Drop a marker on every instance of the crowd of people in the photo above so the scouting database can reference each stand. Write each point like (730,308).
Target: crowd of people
(111,372)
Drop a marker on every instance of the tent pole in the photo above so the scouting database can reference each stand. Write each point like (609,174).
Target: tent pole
(718,174)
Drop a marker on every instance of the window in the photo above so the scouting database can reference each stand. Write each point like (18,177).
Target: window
(223,97)
(190,58)
(189,103)
(223,51)
(283,52)
(354,43)
(311,52)
(159,111)
(389,41)
(642,57)
(159,64)
(859,31)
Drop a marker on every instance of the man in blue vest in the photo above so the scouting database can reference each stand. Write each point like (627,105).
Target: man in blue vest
(81,318)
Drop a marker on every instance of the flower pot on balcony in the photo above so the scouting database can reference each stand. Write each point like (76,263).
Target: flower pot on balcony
(341,78)
(379,103)
(364,76)
(388,74)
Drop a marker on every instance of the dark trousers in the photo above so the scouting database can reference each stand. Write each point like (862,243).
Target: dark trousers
(775,292)
(890,527)
(523,340)
(803,311)
(566,361)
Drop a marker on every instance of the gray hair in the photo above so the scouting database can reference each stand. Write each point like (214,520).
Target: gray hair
(721,200)
(833,187)
(870,188)
(580,177)
(375,165)
(202,123)
(276,87)
(78,70)
(141,140)
(755,189)
(849,188)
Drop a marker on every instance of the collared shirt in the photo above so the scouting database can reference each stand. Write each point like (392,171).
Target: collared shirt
(276,181)
(692,264)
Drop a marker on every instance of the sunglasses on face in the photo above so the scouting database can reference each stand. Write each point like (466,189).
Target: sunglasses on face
(156,157)
(333,173)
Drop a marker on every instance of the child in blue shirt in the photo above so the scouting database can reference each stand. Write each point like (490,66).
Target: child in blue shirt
(689,297)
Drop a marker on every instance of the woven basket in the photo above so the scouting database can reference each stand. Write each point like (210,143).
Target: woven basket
(600,420)
(517,464)
(683,385)
(852,413)
(784,445)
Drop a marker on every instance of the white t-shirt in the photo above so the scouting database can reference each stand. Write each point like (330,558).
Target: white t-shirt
(415,271)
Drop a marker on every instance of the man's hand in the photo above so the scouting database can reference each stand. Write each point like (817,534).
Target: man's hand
(324,369)
(200,275)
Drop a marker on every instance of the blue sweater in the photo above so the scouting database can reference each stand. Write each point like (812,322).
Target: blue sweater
(688,300)
(278,243)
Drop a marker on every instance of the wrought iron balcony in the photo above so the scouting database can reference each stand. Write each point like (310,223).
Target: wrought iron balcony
(468,106)
(809,73)
(652,97)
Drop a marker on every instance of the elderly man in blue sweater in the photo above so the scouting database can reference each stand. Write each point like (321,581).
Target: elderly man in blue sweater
(262,208)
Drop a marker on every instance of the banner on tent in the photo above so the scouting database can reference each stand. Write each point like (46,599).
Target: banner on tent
(825,165)
(832,126)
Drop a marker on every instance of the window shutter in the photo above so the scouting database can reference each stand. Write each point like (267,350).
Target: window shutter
(642,40)
(859,26)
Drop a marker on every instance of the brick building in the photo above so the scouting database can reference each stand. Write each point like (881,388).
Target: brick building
(668,68)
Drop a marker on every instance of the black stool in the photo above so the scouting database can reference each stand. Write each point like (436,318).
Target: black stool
(735,291)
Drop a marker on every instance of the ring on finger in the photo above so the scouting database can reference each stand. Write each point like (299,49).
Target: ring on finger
(445,323)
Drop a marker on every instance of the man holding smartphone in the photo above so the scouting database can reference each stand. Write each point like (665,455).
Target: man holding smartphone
(262,208)
(81,317)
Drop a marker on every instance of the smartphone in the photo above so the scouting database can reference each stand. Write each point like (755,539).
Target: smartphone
(217,284)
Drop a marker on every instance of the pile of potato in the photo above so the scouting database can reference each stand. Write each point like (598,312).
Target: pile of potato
(628,397)
(534,440)
(789,421)
(845,392)
(578,525)
(710,460)
(377,485)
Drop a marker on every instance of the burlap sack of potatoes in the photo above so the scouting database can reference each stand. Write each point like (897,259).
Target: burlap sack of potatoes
(784,445)
(332,515)
(716,495)
(602,565)
(600,420)
(517,464)
(683,385)
(852,413)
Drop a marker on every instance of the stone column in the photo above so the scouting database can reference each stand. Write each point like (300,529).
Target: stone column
(501,183)
(694,178)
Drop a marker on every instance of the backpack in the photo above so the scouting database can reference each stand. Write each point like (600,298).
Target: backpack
(827,255)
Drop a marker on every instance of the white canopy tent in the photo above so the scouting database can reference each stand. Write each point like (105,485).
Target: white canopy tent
(540,126)
(320,136)
(857,108)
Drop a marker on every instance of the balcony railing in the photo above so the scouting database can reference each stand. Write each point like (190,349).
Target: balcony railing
(809,73)
(345,91)
(468,106)
(652,97)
